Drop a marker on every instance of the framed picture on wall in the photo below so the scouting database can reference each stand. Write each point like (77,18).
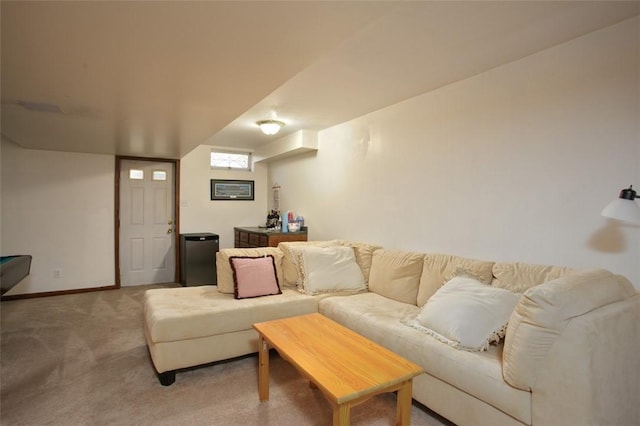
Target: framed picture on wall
(226,189)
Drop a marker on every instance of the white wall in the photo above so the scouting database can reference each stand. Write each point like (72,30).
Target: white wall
(513,164)
(199,214)
(59,208)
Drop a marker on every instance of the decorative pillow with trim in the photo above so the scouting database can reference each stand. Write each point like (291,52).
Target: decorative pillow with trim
(290,268)
(467,314)
(330,270)
(254,276)
(223,264)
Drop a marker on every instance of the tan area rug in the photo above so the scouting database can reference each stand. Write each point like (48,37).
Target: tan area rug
(82,360)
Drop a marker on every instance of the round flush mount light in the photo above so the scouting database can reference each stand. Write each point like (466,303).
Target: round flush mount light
(270,127)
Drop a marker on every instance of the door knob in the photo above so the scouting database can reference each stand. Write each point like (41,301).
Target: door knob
(169,231)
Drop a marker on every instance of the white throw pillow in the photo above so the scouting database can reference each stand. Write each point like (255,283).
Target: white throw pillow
(330,269)
(467,314)
(290,267)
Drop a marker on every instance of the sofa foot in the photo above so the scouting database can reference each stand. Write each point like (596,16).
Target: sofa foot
(167,378)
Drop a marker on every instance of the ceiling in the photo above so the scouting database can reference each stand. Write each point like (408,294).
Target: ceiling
(157,79)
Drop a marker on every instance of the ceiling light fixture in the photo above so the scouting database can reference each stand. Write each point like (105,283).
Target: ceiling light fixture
(270,127)
(624,207)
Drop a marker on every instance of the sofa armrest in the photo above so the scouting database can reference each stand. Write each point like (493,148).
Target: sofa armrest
(591,374)
(544,311)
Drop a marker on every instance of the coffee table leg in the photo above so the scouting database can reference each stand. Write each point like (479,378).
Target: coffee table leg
(403,414)
(263,370)
(341,415)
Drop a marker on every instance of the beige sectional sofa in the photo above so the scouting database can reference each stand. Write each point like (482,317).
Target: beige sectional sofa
(570,354)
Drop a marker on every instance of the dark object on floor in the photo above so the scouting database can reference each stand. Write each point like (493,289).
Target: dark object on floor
(167,378)
(13,269)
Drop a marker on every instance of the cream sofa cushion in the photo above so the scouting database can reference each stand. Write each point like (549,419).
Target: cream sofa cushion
(224,271)
(364,256)
(290,269)
(519,277)
(185,313)
(545,310)
(440,268)
(396,274)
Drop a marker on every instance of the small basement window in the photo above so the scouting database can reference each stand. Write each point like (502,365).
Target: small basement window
(231,160)
(159,175)
(136,174)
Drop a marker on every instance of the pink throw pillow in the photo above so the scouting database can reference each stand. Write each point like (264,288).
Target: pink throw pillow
(254,276)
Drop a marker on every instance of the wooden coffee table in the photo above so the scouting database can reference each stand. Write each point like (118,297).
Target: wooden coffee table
(346,367)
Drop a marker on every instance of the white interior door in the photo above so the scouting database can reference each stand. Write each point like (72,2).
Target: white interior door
(147,242)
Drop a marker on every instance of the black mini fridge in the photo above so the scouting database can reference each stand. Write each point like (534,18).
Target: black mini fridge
(198,258)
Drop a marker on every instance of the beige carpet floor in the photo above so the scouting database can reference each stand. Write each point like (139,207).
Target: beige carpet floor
(82,360)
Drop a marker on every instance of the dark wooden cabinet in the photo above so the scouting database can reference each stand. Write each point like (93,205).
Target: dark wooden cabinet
(261,237)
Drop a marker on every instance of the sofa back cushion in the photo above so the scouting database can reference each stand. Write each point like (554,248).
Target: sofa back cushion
(224,272)
(396,274)
(519,277)
(545,310)
(440,268)
(364,256)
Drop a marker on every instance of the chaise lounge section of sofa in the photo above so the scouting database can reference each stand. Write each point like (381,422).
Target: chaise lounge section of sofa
(190,326)
(567,356)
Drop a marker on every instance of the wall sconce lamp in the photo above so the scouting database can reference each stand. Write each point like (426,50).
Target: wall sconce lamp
(624,207)
(270,127)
